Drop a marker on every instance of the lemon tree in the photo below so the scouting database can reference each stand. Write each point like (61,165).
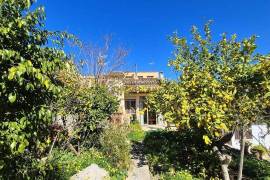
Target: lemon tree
(219,88)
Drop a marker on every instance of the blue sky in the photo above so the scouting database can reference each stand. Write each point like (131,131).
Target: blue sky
(143,26)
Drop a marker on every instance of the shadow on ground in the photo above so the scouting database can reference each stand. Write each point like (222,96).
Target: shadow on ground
(137,153)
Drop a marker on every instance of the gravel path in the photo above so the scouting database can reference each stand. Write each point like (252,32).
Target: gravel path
(139,169)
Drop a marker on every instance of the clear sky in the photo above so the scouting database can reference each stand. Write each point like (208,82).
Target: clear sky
(143,26)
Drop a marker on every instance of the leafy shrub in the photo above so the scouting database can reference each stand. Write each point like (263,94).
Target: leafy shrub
(261,149)
(26,167)
(136,132)
(256,168)
(92,106)
(98,105)
(115,144)
(180,175)
(27,86)
(167,150)
(65,164)
(253,168)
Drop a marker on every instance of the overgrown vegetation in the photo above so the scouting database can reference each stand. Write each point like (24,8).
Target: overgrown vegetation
(114,143)
(260,149)
(65,164)
(222,87)
(55,122)
(84,107)
(180,175)
(51,116)
(173,155)
(27,86)
(172,151)
(111,153)
(253,168)
(136,133)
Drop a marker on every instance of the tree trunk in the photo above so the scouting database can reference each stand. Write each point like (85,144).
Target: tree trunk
(225,160)
(225,171)
(54,140)
(70,146)
(242,154)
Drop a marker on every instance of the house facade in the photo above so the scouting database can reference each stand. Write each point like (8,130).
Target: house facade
(134,89)
(137,87)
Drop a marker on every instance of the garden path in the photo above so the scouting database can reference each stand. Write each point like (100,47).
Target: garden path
(139,168)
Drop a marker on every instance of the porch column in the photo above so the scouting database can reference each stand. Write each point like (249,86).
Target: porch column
(138,118)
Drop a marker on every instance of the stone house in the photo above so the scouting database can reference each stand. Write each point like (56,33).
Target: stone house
(135,88)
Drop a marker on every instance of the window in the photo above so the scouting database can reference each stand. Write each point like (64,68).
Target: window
(142,107)
(142,101)
(150,76)
(140,77)
(130,105)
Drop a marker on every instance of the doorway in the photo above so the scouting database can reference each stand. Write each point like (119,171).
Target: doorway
(152,117)
(130,107)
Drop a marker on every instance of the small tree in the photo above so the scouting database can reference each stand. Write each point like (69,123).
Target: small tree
(216,91)
(89,105)
(101,60)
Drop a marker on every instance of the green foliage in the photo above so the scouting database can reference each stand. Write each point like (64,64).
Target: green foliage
(253,168)
(136,133)
(141,88)
(222,86)
(168,151)
(27,86)
(262,76)
(92,103)
(260,148)
(98,106)
(179,175)
(218,87)
(27,167)
(114,144)
(65,164)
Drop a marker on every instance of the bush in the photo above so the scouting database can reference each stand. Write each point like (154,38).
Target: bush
(253,168)
(175,150)
(29,60)
(180,175)
(256,168)
(114,144)
(92,106)
(65,164)
(260,148)
(27,167)
(136,132)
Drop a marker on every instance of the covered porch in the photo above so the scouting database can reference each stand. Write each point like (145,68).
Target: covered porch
(136,110)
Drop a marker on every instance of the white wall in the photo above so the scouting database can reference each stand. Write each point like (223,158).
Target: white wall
(235,142)
(259,136)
